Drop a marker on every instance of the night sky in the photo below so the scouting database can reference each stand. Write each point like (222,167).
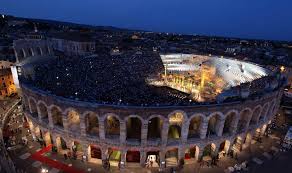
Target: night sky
(263,19)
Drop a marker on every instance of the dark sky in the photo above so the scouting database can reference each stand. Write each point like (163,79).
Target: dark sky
(264,19)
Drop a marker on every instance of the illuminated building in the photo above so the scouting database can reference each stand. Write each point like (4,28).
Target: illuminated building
(129,133)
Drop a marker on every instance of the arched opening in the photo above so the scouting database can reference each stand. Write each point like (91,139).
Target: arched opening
(194,127)
(264,112)
(37,132)
(154,128)
(237,145)
(133,156)
(223,148)
(39,51)
(20,54)
(257,134)
(175,123)
(248,138)
(229,123)
(255,116)
(73,121)
(112,127)
(48,50)
(61,144)
(43,112)
(272,109)
(209,153)
(152,156)
(30,52)
(92,124)
(33,108)
(25,103)
(171,157)
(134,128)
(243,120)
(95,152)
(114,154)
(77,150)
(47,138)
(57,117)
(174,131)
(213,125)
(192,153)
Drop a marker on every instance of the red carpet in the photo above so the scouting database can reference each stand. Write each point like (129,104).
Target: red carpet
(52,163)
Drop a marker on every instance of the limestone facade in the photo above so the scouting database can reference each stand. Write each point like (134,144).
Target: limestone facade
(249,117)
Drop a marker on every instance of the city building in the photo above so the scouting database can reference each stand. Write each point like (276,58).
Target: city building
(7,85)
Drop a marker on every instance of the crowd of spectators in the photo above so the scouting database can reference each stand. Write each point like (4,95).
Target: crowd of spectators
(113,79)
(103,78)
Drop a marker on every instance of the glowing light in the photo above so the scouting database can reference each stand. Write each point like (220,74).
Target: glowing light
(44,170)
(176,118)
(282,68)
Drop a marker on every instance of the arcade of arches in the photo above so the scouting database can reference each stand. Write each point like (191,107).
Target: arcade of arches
(178,126)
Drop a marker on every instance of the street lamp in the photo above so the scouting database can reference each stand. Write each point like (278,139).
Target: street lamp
(44,170)
(282,68)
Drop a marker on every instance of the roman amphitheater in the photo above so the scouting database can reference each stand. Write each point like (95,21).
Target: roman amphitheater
(180,112)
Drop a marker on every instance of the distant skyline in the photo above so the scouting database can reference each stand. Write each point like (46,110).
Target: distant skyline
(268,19)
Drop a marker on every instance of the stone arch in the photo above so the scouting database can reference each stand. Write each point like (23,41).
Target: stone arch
(224,148)
(176,120)
(47,138)
(134,127)
(214,123)
(43,111)
(25,103)
(114,154)
(73,120)
(272,108)
(77,148)
(237,145)
(91,123)
(32,106)
(195,125)
(39,51)
(209,150)
(57,116)
(244,118)
(256,115)
(248,138)
(20,54)
(112,125)
(61,144)
(264,111)
(155,126)
(95,152)
(171,157)
(230,122)
(133,156)
(37,132)
(48,50)
(30,52)
(192,152)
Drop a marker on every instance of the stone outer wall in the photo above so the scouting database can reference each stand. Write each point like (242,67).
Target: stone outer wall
(268,105)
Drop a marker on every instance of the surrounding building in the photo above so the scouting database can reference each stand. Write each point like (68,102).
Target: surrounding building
(7,85)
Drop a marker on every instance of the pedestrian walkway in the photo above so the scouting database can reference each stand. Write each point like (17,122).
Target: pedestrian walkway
(52,163)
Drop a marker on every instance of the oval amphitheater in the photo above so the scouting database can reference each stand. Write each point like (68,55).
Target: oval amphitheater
(189,106)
